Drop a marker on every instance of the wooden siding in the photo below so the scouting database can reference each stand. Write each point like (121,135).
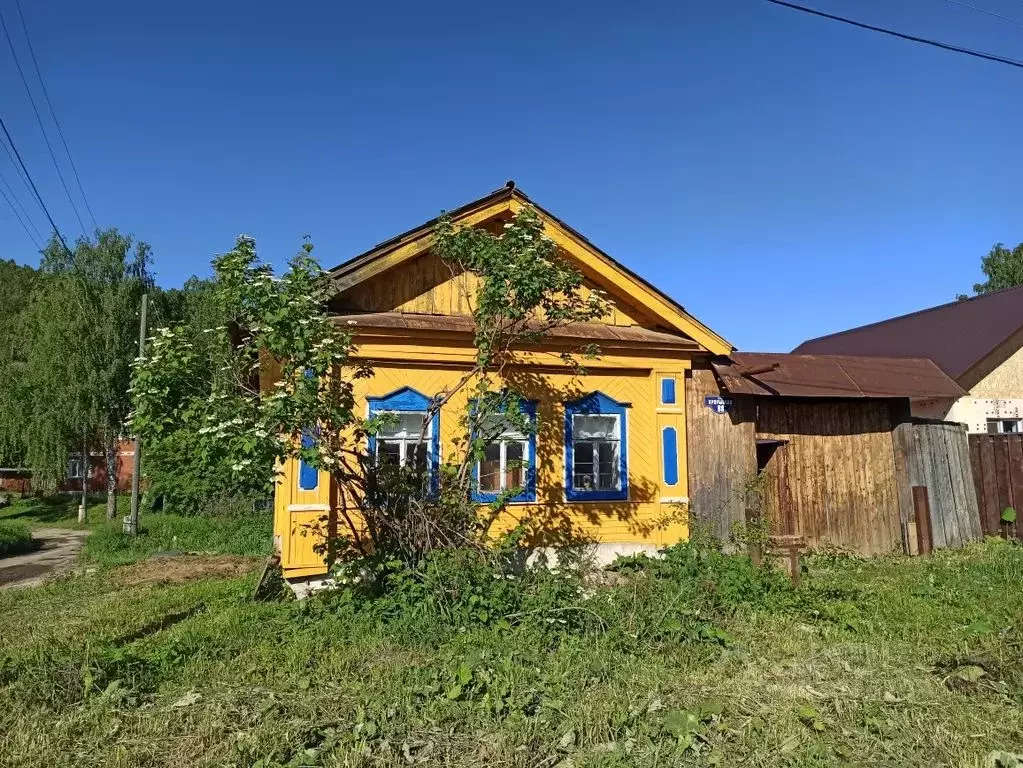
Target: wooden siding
(722,456)
(997,466)
(834,480)
(427,285)
(647,518)
(936,456)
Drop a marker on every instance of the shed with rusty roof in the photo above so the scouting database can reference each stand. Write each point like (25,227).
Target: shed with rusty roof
(824,447)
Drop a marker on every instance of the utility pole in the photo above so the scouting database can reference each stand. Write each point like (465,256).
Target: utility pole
(84,469)
(133,520)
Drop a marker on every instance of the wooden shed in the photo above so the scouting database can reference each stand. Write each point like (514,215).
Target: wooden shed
(824,447)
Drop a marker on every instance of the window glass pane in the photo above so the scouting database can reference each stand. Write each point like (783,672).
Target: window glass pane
(607,466)
(514,469)
(490,469)
(582,466)
(499,426)
(405,424)
(589,426)
(416,455)
(388,453)
(1010,426)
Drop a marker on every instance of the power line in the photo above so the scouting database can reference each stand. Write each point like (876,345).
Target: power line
(39,119)
(11,194)
(35,189)
(978,9)
(21,221)
(901,35)
(53,114)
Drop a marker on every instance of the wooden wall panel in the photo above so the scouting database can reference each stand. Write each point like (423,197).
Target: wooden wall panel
(839,466)
(428,285)
(997,464)
(721,456)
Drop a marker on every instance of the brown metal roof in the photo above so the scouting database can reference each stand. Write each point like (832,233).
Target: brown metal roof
(956,336)
(792,375)
(611,335)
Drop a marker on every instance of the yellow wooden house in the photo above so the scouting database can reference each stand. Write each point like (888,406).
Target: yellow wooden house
(608,460)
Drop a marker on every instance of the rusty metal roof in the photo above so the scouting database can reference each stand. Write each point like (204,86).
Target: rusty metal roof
(608,335)
(792,375)
(956,336)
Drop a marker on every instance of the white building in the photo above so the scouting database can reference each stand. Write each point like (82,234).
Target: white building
(978,342)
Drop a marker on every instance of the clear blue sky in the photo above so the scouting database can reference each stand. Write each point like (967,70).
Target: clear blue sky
(780,175)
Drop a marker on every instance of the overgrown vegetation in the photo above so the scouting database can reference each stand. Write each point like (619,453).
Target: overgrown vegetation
(697,659)
(15,538)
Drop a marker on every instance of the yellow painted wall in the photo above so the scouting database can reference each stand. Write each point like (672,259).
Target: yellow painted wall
(640,520)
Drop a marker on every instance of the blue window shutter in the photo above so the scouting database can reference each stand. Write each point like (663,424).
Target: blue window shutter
(308,476)
(668,391)
(669,443)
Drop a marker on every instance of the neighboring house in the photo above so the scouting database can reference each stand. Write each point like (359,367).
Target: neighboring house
(978,342)
(98,470)
(609,459)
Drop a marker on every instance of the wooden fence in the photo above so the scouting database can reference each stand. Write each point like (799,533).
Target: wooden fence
(936,456)
(998,476)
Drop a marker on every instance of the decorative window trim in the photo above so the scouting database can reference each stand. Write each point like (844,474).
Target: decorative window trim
(528,494)
(408,399)
(597,403)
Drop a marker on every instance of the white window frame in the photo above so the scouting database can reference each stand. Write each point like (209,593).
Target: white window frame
(426,438)
(616,458)
(1000,425)
(74,468)
(503,439)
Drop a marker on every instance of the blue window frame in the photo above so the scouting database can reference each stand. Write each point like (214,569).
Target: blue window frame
(668,390)
(399,444)
(509,462)
(596,449)
(308,475)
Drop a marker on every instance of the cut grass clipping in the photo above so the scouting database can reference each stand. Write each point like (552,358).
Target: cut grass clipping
(15,538)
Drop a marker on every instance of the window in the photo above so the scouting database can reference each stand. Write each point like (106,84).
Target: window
(403,441)
(74,468)
(1004,426)
(596,465)
(509,460)
(404,444)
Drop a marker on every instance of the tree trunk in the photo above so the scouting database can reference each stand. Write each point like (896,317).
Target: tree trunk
(83,508)
(111,456)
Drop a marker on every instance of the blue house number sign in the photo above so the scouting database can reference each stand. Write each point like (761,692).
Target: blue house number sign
(717,404)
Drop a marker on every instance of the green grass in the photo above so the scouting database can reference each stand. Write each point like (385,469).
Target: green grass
(61,511)
(241,534)
(858,668)
(15,538)
(159,532)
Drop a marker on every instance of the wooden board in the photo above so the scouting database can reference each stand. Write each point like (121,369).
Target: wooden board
(721,456)
(840,470)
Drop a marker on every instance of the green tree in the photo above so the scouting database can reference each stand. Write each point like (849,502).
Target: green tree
(208,429)
(16,286)
(224,431)
(82,335)
(1002,267)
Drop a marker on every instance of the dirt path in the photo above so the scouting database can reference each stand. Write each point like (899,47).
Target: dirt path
(58,553)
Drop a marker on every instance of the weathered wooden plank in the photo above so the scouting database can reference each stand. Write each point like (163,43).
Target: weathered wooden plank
(932,479)
(1003,482)
(903,487)
(970,504)
(721,456)
(1014,447)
